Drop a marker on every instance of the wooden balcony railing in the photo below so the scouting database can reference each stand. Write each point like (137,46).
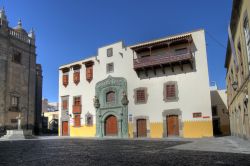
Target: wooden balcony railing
(77,109)
(159,60)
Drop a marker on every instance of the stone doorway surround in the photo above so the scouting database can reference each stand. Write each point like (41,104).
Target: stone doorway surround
(177,112)
(117,107)
(135,125)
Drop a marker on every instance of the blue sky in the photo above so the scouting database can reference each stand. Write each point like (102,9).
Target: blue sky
(69,30)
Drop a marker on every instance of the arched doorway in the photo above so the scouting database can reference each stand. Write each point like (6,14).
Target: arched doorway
(172,125)
(111,128)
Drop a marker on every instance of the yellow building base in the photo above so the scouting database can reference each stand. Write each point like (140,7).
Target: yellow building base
(83,131)
(191,129)
(156,130)
(197,129)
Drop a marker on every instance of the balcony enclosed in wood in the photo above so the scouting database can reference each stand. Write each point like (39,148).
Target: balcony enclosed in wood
(169,52)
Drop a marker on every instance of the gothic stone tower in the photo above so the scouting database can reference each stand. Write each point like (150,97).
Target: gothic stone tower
(18,76)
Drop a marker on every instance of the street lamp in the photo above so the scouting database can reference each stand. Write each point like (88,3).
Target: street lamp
(235,85)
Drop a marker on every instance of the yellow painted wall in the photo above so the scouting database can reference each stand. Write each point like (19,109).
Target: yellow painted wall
(83,131)
(130,130)
(191,129)
(156,130)
(197,129)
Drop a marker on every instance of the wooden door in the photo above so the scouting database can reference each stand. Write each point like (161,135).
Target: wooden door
(111,126)
(141,128)
(172,125)
(65,126)
(216,127)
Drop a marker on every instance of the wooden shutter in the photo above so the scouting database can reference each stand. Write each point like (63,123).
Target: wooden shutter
(65,80)
(65,104)
(77,121)
(76,77)
(170,91)
(89,73)
(140,95)
(77,101)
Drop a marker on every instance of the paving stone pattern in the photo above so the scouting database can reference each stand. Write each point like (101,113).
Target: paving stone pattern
(110,152)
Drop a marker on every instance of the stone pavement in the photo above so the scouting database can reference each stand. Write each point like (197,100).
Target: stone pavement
(105,152)
(228,144)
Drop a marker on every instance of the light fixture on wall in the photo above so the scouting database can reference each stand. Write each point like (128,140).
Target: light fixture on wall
(235,85)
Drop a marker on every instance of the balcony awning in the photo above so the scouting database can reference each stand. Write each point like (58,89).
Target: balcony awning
(163,41)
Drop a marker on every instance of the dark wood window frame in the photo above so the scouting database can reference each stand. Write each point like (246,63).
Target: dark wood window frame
(77,100)
(110,67)
(76,77)
(167,98)
(89,119)
(136,91)
(65,79)
(109,52)
(197,115)
(65,103)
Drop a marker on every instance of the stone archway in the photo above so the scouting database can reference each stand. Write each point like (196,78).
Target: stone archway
(109,102)
(175,116)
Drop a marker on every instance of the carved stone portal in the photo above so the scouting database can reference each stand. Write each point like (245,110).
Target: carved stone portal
(118,106)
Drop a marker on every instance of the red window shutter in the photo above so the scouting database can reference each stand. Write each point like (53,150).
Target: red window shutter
(170,91)
(65,80)
(76,77)
(77,121)
(89,73)
(140,95)
(65,104)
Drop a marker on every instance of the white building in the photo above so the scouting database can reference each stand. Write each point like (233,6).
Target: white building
(153,89)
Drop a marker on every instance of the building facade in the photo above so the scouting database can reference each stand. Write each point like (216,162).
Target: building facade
(152,89)
(50,116)
(237,65)
(221,124)
(20,77)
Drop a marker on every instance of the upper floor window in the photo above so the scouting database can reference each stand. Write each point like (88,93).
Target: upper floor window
(110,67)
(64,104)
(65,76)
(17,57)
(89,119)
(197,115)
(65,79)
(214,111)
(77,100)
(109,52)
(247,35)
(170,91)
(76,77)
(14,101)
(140,95)
(89,73)
(110,97)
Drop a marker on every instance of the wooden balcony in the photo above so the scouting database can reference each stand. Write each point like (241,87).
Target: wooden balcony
(163,60)
(77,109)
